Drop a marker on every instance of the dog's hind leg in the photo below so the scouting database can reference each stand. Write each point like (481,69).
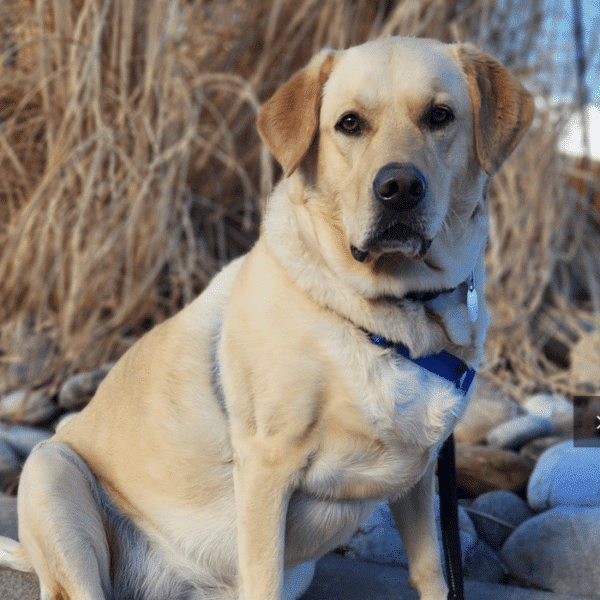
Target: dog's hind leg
(61,526)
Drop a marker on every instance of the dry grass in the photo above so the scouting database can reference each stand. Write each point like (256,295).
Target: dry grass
(131,169)
(543,273)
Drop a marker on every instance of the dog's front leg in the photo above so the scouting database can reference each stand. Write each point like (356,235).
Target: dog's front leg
(414,516)
(263,476)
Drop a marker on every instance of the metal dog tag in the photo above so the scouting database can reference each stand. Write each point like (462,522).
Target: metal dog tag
(472,298)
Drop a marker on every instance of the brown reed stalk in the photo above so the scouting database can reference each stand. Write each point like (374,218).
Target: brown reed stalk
(131,169)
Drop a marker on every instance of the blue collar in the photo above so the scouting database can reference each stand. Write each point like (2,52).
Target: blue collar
(443,363)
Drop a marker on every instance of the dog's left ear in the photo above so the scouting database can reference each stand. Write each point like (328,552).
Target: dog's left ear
(502,107)
(288,121)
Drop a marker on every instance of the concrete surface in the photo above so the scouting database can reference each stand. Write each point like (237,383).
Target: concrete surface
(15,585)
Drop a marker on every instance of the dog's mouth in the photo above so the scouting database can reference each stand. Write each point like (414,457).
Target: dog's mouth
(394,237)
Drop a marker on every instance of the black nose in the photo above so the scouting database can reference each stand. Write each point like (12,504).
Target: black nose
(399,186)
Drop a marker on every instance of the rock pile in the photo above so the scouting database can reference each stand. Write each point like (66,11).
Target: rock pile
(533,513)
(531,507)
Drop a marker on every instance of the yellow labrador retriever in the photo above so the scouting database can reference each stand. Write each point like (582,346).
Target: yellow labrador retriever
(253,432)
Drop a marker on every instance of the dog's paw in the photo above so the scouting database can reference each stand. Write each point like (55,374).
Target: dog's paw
(432,589)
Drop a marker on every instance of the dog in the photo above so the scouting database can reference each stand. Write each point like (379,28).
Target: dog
(242,439)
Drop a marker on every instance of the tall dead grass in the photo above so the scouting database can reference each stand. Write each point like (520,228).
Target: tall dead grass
(132,171)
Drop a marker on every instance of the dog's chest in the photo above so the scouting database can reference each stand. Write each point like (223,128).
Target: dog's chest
(384,427)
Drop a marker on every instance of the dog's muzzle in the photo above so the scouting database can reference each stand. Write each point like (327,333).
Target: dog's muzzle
(399,189)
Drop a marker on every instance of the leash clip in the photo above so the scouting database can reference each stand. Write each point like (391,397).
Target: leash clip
(472,298)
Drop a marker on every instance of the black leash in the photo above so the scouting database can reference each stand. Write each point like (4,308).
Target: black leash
(446,470)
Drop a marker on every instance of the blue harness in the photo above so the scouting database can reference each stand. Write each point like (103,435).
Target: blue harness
(443,363)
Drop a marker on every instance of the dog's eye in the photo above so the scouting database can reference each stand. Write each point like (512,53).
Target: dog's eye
(439,116)
(349,124)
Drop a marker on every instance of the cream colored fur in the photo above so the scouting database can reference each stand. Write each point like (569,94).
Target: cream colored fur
(254,431)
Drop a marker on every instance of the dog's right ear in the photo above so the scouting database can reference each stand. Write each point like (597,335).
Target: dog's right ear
(288,121)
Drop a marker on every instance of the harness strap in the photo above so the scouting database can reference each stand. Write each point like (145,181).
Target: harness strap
(443,363)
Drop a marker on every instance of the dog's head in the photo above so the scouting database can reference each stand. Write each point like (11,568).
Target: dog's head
(393,142)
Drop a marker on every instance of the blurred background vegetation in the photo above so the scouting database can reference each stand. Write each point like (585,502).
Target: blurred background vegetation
(131,171)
